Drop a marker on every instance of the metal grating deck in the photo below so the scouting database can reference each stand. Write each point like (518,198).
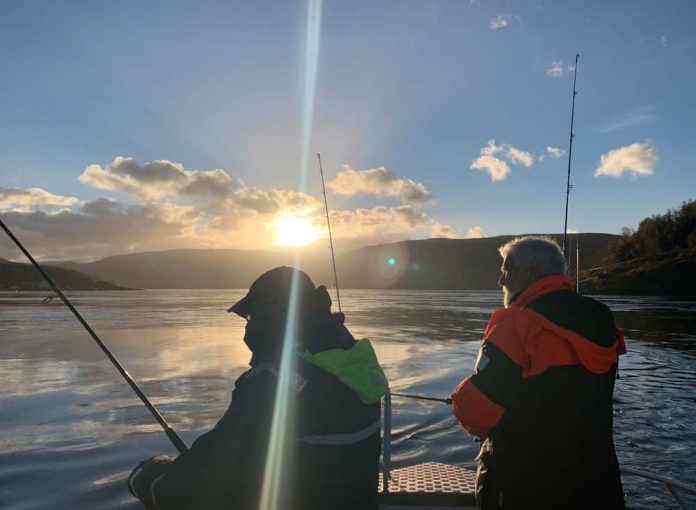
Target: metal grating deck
(430,483)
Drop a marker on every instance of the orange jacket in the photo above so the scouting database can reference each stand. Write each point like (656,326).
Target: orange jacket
(534,344)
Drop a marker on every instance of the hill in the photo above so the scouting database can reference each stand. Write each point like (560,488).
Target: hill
(424,264)
(184,269)
(658,258)
(445,264)
(18,276)
(673,274)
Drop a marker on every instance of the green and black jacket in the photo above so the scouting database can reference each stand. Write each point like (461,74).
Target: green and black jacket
(331,433)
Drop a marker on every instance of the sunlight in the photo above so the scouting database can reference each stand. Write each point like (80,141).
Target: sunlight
(294,230)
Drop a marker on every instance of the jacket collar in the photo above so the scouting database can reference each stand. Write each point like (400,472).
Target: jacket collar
(546,285)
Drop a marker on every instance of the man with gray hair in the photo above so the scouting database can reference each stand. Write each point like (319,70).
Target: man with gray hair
(541,392)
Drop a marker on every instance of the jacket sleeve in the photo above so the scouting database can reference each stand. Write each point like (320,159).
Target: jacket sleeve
(479,401)
(219,455)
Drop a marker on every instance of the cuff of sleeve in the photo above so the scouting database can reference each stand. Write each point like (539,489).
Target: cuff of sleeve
(476,413)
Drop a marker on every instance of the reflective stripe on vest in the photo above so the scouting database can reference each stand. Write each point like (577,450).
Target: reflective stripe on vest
(341,439)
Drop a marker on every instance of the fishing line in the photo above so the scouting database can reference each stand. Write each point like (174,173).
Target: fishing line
(173,437)
(447,401)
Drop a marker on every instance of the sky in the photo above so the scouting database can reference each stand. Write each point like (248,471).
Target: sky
(129,126)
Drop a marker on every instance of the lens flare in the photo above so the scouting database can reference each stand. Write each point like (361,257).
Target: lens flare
(310,85)
(282,411)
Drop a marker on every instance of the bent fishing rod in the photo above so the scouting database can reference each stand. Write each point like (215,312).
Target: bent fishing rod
(171,434)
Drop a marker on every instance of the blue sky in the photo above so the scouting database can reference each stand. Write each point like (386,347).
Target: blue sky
(408,96)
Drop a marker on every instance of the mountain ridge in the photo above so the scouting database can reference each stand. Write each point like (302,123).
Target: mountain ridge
(23,276)
(428,264)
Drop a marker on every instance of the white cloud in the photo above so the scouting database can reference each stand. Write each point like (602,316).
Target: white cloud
(636,159)
(378,182)
(273,201)
(196,213)
(383,224)
(443,231)
(158,179)
(556,70)
(500,21)
(519,157)
(31,198)
(495,166)
(554,152)
(214,189)
(104,227)
(476,233)
(663,41)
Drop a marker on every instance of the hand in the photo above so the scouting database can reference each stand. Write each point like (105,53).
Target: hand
(144,475)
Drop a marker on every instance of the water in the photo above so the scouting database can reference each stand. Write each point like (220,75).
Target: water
(71,429)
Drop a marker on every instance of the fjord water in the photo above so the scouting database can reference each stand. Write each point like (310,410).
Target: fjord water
(71,429)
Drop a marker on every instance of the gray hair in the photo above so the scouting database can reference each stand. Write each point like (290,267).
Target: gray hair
(540,254)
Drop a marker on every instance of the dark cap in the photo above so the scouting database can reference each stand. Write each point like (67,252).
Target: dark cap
(272,287)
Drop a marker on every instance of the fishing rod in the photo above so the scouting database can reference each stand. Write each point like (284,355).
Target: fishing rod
(570,154)
(447,401)
(173,437)
(338,296)
(328,223)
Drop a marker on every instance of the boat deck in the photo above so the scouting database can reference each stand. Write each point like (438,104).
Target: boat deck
(429,485)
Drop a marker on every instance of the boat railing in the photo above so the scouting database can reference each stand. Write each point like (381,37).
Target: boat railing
(674,487)
(386,444)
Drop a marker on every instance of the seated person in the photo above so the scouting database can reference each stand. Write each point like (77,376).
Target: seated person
(329,431)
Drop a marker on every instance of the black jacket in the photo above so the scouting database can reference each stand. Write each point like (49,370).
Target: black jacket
(331,456)
(543,390)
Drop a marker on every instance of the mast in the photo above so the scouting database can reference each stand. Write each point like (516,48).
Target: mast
(570,155)
(328,224)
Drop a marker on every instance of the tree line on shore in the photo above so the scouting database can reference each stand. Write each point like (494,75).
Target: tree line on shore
(657,235)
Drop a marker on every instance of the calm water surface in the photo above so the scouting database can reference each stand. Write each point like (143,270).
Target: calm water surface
(71,429)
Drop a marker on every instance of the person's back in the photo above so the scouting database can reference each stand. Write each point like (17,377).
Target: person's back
(339,444)
(543,391)
(306,431)
(555,438)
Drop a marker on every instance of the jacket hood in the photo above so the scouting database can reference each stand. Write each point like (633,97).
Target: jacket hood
(357,368)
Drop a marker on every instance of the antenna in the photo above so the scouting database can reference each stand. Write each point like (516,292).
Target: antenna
(570,155)
(328,223)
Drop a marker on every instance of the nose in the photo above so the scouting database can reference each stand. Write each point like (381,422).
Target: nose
(501,280)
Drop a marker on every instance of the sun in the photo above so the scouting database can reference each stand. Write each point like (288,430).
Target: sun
(294,230)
